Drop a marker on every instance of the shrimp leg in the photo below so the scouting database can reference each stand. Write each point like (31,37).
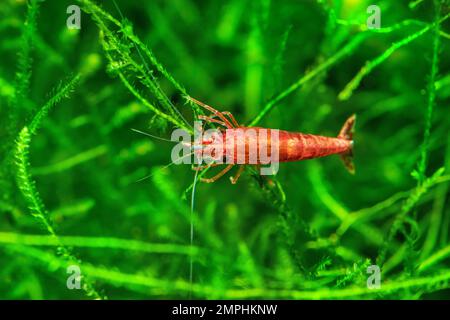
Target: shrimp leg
(225,113)
(210,119)
(211,165)
(217,176)
(214,111)
(238,174)
(233,120)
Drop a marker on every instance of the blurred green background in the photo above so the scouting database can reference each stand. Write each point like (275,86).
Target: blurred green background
(70,162)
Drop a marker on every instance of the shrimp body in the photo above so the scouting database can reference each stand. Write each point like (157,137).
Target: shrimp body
(254,145)
(299,146)
(290,146)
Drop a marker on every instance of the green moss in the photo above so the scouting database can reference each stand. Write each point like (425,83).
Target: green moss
(68,175)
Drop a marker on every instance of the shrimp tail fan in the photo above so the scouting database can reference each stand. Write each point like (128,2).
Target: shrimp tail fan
(347,134)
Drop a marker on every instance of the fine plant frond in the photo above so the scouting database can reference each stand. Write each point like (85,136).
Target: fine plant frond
(23,74)
(28,188)
(422,165)
(347,92)
(27,185)
(159,287)
(122,62)
(343,52)
(62,91)
(96,242)
(408,205)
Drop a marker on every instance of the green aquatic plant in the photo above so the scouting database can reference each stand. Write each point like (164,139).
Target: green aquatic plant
(27,185)
(69,173)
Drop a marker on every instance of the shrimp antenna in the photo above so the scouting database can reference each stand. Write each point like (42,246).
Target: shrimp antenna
(150,73)
(191,243)
(165,167)
(152,136)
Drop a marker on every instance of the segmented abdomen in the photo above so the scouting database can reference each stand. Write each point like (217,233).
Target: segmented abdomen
(298,146)
(261,145)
